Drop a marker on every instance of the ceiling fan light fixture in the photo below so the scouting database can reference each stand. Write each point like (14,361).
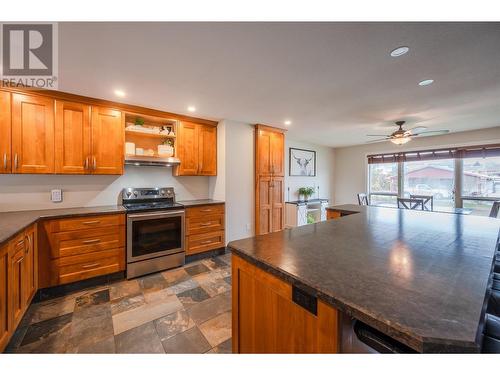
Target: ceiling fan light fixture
(400,140)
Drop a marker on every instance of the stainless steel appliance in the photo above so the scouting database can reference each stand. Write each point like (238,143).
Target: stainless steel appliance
(155,230)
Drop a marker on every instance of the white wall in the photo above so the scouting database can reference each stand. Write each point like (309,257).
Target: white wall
(351,166)
(31,192)
(324,171)
(239,179)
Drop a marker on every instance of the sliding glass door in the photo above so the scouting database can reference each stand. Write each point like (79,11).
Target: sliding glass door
(480,184)
(434,178)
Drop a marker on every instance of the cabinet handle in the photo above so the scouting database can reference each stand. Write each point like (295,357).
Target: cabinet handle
(90,265)
(16,162)
(91,222)
(206,210)
(96,240)
(4,160)
(206,224)
(86,165)
(29,244)
(95,163)
(205,242)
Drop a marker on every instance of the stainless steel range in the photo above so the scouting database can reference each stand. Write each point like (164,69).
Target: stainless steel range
(155,230)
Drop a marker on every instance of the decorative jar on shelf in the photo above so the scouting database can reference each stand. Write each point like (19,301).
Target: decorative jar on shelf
(165,150)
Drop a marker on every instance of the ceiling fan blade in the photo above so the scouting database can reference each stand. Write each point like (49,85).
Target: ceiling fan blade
(417,129)
(377,140)
(432,132)
(377,135)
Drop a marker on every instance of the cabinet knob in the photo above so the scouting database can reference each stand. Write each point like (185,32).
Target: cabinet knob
(16,161)
(4,160)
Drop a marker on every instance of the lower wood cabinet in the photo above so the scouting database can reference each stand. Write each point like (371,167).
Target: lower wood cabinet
(76,249)
(331,214)
(265,319)
(18,281)
(204,228)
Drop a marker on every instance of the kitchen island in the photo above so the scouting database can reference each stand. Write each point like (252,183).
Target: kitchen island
(420,278)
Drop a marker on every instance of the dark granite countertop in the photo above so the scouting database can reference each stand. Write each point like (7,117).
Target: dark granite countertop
(420,277)
(199,202)
(11,223)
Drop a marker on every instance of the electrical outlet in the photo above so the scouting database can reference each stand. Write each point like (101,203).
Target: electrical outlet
(56,195)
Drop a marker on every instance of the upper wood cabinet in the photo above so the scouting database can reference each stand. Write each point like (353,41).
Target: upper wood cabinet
(196,147)
(270,152)
(269,179)
(72,138)
(5,129)
(108,141)
(207,146)
(32,134)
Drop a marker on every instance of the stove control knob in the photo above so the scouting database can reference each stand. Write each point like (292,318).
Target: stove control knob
(162,192)
(135,194)
(128,193)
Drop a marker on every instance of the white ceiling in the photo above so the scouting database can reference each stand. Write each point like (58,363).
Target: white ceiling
(335,81)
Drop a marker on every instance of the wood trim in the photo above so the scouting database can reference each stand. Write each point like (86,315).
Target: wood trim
(135,109)
(270,128)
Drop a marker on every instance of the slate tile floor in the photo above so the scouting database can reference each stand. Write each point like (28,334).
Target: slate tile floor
(185,310)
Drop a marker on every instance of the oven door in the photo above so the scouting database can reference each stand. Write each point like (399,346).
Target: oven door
(154,234)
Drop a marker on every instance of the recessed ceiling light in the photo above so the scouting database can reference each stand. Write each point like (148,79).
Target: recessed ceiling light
(191,108)
(287,123)
(120,93)
(426,82)
(400,51)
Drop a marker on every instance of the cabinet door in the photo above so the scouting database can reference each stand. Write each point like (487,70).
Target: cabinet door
(278,204)
(263,152)
(207,150)
(187,149)
(32,134)
(72,138)
(5,128)
(30,266)
(264,205)
(277,154)
(4,295)
(108,138)
(16,280)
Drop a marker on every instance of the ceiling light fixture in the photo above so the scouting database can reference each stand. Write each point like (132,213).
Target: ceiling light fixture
(287,123)
(400,51)
(400,140)
(426,82)
(191,108)
(120,93)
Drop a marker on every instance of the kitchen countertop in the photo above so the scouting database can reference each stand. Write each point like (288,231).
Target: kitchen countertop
(419,277)
(11,223)
(199,202)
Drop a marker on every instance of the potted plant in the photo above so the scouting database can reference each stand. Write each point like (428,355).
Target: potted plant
(139,121)
(306,192)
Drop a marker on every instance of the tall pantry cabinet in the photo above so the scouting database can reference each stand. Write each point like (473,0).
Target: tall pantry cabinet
(269,179)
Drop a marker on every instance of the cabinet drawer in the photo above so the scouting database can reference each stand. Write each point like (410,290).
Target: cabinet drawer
(201,211)
(198,243)
(63,244)
(81,267)
(208,223)
(86,222)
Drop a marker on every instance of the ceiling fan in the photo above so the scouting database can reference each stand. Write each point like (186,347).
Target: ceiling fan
(402,136)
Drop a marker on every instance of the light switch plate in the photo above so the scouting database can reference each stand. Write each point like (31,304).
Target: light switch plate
(56,195)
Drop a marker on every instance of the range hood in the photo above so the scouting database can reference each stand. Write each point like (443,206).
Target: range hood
(151,161)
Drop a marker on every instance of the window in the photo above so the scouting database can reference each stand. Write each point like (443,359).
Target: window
(383,183)
(431,177)
(480,184)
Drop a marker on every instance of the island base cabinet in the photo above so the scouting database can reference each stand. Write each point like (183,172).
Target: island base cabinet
(266,320)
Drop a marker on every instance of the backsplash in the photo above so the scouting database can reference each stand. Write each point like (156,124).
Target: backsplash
(32,192)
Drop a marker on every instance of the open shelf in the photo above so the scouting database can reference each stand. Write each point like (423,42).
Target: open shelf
(148,135)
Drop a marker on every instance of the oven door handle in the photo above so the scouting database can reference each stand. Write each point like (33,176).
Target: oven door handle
(156,214)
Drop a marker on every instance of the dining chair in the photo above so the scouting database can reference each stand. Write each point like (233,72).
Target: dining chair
(363,199)
(411,203)
(494,209)
(428,201)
